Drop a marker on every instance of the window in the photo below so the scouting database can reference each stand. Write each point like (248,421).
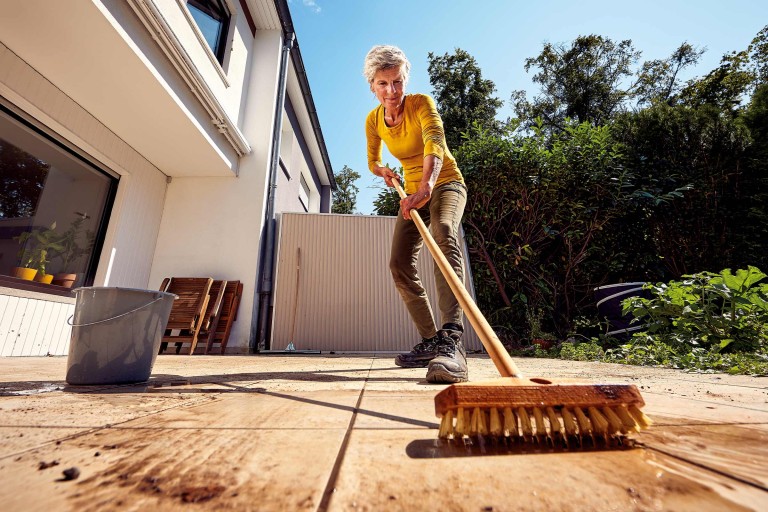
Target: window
(53,210)
(212,18)
(304,193)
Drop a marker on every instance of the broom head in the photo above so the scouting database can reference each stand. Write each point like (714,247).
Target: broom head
(556,411)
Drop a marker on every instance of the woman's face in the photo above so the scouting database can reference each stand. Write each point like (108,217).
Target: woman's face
(389,87)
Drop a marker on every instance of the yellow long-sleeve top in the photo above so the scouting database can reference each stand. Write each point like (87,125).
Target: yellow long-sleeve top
(419,134)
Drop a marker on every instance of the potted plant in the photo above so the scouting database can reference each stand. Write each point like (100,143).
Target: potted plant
(71,251)
(538,335)
(36,246)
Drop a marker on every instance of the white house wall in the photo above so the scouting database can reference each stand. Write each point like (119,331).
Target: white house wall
(34,324)
(98,75)
(212,226)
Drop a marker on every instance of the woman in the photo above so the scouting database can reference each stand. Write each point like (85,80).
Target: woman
(412,130)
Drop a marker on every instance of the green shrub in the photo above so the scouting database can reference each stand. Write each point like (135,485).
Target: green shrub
(650,350)
(725,312)
(582,351)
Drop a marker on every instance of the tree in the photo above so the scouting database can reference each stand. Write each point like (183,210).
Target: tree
(738,75)
(345,196)
(658,81)
(463,97)
(700,153)
(536,205)
(22,177)
(582,82)
(388,201)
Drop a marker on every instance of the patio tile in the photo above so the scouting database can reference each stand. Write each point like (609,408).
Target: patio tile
(31,420)
(258,408)
(738,451)
(19,438)
(265,432)
(167,469)
(713,410)
(409,470)
(397,410)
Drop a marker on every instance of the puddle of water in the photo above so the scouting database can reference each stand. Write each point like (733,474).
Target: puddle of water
(29,388)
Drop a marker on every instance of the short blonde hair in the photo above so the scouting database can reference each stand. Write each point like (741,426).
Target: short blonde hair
(385,57)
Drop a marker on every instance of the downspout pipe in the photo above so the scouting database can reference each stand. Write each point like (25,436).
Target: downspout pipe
(259,338)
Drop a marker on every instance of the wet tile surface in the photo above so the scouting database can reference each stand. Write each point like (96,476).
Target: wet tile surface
(305,432)
(410,470)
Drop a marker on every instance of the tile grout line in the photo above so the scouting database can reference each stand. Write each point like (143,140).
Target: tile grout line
(330,487)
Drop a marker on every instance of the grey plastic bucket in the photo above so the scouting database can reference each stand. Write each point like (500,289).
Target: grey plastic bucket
(116,334)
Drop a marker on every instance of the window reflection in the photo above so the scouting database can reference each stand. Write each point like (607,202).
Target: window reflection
(51,208)
(212,18)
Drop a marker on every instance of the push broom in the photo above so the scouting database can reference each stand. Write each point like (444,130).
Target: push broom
(565,411)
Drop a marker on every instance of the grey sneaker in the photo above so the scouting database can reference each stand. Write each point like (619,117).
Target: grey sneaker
(451,363)
(420,355)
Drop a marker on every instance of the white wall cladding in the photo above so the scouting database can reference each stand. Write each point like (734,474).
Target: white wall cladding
(346,300)
(135,220)
(34,324)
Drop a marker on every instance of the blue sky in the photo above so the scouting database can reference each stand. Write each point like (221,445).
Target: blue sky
(335,35)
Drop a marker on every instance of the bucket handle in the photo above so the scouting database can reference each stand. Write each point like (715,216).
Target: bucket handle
(69,320)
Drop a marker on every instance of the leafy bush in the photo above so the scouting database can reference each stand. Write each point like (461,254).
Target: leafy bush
(582,351)
(725,311)
(648,350)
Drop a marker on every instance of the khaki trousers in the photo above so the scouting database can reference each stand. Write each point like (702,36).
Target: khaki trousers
(443,215)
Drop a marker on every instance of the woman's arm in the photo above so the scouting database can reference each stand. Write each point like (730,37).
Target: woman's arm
(434,148)
(431,170)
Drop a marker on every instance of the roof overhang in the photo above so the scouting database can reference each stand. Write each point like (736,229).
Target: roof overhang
(301,96)
(104,56)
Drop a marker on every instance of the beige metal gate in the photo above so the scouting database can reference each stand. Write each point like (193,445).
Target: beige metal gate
(333,289)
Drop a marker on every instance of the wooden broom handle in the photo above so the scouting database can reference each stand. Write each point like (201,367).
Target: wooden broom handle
(493,346)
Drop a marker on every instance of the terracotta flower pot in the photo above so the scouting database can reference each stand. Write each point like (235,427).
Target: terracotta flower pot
(44,278)
(65,280)
(544,344)
(24,273)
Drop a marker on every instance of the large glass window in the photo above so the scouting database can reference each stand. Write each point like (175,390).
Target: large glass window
(53,209)
(212,18)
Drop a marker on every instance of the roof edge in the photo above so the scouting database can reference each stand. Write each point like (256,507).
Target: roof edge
(286,21)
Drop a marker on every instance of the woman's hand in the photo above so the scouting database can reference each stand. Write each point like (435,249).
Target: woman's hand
(388,175)
(416,200)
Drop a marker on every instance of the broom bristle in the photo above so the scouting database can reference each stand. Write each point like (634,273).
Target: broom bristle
(537,410)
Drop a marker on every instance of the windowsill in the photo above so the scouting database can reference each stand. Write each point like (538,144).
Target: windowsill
(16,287)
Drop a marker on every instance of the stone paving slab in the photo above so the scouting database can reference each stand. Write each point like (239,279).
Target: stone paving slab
(421,475)
(354,432)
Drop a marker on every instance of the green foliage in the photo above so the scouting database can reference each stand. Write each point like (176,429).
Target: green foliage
(345,196)
(649,350)
(70,249)
(388,201)
(463,97)
(675,185)
(725,312)
(582,81)
(582,351)
(534,316)
(37,246)
(22,177)
(737,76)
(658,80)
(688,165)
(535,207)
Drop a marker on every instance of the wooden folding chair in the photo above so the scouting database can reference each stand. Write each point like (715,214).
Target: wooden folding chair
(222,326)
(212,314)
(188,315)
